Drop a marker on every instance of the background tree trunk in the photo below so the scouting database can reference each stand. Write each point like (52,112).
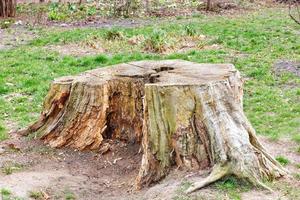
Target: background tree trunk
(209,5)
(7,8)
(147,5)
(185,114)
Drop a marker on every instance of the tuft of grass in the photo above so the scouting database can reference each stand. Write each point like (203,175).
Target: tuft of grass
(113,34)
(157,41)
(296,138)
(228,184)
(297,176)
(69,195)
(282,160)
(190,30)
(4,24)
(3,133)
(10,168)
(5,192)
(36,195)
(233,187)
(179,17)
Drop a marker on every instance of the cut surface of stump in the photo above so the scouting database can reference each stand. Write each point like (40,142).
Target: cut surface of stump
(183,114)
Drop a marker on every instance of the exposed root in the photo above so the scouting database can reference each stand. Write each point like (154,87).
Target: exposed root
(263,186)
(217,173)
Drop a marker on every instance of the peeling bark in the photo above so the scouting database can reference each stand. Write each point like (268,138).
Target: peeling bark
(184,114)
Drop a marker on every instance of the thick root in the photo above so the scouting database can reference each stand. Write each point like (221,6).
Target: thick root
(217,173)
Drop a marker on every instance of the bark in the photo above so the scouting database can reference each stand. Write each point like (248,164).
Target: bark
(185,114)
(209,5)
(7,8)
(147,5)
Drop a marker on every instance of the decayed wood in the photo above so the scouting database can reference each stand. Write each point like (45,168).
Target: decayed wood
(183,113)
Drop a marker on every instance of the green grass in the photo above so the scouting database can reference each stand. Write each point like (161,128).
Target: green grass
(36,195)
(282,160)
(11,167)
(5,194)
(297,176)
(229,186)
(69,195)
(253,43)
(3,133)
(232,187)
(296,138)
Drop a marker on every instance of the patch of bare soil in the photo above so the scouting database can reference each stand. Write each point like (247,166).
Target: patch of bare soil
(89,22)
(97,22)
(15,36)
(288,149)
(89,175)
(285,66)
(77,49)
(110,172)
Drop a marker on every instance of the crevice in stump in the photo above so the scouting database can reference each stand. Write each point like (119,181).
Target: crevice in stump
(181,113)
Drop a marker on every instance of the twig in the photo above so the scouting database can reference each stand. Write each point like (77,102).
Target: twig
(290,13)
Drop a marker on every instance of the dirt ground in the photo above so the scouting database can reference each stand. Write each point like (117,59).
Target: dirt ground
(111,175)
(18,35)
(57,171)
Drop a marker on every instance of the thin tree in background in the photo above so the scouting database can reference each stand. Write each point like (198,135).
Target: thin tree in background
(8,8)
(209,5)
(295,17)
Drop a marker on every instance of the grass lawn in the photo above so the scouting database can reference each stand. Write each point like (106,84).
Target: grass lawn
(252,42)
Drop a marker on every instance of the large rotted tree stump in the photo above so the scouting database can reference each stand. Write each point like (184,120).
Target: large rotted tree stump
(184,114)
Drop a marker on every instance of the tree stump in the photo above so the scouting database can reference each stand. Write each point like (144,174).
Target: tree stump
(184,114)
